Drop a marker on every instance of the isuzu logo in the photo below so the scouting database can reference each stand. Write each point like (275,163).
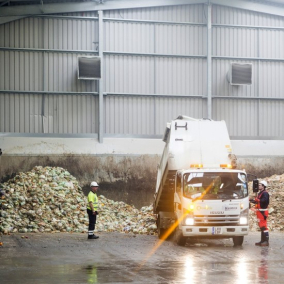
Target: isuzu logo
(216,212)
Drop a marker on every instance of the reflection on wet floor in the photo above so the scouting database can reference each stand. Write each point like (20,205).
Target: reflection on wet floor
(203,262)
(263,266)
(190,269)
(101,274)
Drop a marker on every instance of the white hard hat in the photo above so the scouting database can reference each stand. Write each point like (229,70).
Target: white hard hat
(263,182)
(93,183)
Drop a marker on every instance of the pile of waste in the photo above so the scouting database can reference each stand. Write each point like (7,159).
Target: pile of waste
(276,211)
(49,199)
(121,217)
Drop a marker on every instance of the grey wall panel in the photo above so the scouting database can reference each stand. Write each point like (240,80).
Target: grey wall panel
(168,109)
(181,76)
(21,71)
(20,113)
(221,85)
(48,113)
(182,13)
(180,39)
(23,33)
(137,74)
(129,74)
(271,44)
(53,33)
(70,114)
(129,37)
(226,15)
(70,34)
(147,115)
(238,42)
(129,115)
(271,118)
(158,38)
(241,116)
(271,83)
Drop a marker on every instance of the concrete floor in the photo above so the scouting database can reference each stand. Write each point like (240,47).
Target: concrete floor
(125,258)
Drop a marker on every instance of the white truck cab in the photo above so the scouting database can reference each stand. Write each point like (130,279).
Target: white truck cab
(211,203)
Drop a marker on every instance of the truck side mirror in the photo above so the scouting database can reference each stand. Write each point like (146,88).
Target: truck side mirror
(255,185)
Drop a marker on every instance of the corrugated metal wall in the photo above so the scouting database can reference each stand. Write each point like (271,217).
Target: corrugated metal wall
(255,110)
(52,113)
(165,59)
(155,68)
(39,60)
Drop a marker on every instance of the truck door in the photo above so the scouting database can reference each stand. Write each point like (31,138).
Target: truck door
(178,195)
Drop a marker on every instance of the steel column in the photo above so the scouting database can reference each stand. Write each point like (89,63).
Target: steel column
(101,81)
(209,61)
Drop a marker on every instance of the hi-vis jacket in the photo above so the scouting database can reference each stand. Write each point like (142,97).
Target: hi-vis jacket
(92,197)
(262,201)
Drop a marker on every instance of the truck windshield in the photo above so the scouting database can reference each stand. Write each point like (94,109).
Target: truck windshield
(215,185)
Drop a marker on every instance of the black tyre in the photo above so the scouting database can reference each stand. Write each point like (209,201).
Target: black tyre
(179,238)
(161,232)
(238,241)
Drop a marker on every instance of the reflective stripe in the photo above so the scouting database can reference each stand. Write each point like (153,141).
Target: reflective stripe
(263,209)
(90,233)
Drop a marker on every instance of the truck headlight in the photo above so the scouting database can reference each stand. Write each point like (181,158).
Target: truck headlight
(243,220)
(244,217)
(189,221)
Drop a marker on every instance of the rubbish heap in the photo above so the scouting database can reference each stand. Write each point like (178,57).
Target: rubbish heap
(276,210)
(49,199)
(121,217)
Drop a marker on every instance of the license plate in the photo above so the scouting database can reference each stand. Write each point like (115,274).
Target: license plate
(216,230)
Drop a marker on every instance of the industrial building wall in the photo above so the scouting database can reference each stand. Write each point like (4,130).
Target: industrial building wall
(39,72)
(155,68)
(248,37)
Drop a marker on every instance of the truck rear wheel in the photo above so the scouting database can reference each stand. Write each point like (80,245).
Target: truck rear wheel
(238,241)
(161,232)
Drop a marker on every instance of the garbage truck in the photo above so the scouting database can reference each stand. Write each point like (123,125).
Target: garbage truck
(200,193)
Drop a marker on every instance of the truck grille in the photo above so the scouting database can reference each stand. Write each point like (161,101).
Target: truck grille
(216,220)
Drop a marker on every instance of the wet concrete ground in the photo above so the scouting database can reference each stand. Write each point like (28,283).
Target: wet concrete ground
(122,258)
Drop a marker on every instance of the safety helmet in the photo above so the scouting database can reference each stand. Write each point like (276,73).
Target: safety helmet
(93,183)
(264,183)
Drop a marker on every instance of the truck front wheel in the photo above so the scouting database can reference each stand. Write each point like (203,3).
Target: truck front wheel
(179,238)
(161,233)
(238,241)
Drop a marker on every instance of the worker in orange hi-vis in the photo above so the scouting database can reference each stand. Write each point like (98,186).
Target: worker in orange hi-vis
(261,208)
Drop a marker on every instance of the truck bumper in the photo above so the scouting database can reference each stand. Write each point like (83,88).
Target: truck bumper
(221,232)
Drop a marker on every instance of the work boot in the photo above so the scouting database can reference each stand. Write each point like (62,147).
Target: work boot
(93,237)
(265,242)
(262,239)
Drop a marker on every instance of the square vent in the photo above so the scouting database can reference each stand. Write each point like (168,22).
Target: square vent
(89,67)
(240,74)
